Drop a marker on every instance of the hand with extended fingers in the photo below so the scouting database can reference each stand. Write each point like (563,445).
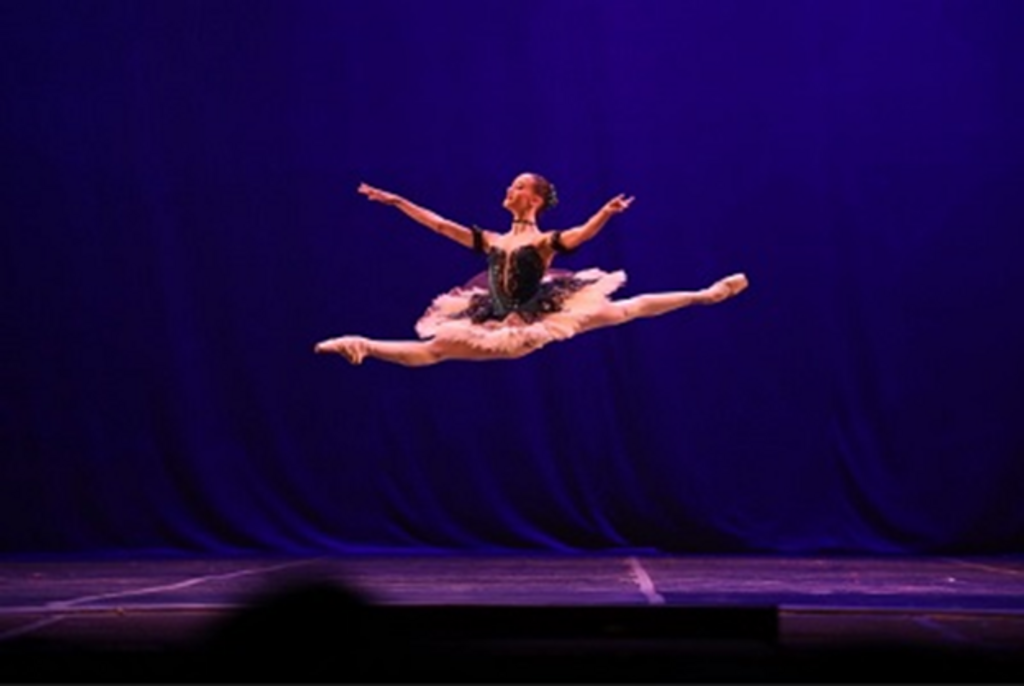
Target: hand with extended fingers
(619,203)
(377,195)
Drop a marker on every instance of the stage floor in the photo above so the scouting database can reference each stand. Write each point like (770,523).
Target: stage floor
(730,616)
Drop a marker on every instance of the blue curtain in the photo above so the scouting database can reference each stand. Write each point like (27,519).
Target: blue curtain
(180,226)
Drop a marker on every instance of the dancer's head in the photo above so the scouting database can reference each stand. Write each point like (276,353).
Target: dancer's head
(530,193)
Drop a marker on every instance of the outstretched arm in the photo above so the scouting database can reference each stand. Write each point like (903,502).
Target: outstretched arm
(572,238)
(432,220)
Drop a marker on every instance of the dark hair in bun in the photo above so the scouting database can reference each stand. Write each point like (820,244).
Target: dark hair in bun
(546,190)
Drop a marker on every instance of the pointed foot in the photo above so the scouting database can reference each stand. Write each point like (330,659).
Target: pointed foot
(352,348)
(728,287)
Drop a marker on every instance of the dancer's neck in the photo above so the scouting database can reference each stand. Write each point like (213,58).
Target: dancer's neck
(520,225)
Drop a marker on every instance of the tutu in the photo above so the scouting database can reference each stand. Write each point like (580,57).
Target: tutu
(564,301)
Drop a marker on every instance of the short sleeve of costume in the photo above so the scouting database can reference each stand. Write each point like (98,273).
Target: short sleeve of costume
(478,238)
(556,243)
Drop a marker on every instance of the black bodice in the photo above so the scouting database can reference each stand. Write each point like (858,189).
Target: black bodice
(515,283)
(514,278)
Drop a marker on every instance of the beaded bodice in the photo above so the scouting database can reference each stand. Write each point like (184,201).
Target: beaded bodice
(514,277)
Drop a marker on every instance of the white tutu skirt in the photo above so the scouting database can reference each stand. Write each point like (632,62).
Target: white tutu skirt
(571,298)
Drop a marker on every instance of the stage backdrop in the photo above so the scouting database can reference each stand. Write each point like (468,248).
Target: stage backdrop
(180,225)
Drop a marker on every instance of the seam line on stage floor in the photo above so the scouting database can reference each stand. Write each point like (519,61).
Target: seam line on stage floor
(16,611)
(897,610)
(67,604)
(989,568)
(644,581)
(30,627)
(141,608)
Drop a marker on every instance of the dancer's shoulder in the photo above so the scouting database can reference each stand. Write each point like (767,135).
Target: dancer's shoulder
(554,239)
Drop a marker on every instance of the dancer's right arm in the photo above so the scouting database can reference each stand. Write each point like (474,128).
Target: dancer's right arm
(457,232)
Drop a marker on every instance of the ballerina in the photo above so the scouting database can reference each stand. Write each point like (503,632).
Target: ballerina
(520,304)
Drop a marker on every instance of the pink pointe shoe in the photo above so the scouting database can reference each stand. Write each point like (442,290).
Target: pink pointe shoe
(352,348)
(725,288)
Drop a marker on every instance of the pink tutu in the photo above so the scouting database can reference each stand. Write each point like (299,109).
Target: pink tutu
(580,295)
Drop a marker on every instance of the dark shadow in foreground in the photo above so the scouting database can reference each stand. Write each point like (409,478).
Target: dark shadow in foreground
(315,632)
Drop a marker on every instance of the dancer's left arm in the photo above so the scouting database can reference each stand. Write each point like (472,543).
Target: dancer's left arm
(572,238)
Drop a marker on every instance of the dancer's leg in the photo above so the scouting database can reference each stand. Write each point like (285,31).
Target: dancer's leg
(356,348)
(655,304)
(408,353)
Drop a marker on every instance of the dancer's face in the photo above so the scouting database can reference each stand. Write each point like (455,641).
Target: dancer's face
(520,196)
